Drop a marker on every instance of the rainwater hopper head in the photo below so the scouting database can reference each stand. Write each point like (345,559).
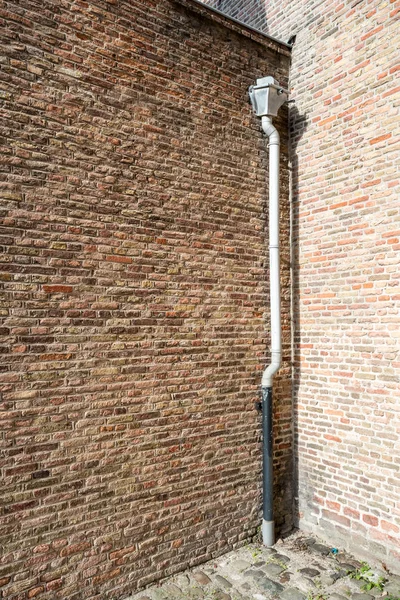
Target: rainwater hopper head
(267,96)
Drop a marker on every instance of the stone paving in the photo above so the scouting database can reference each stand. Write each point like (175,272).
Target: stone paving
(298,568)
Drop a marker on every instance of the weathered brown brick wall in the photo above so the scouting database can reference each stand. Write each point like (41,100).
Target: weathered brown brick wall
(134,318)
(345,151)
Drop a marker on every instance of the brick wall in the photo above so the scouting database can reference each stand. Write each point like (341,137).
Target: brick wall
(134,317)
(346,263)
(346,259)
(250,12)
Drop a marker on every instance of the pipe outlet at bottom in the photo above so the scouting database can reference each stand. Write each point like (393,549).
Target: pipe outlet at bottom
(268,533)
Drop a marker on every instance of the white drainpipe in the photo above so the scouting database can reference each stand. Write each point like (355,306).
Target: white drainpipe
(274,265)
(267,97)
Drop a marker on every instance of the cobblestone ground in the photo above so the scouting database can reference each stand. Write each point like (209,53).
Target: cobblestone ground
(298,568)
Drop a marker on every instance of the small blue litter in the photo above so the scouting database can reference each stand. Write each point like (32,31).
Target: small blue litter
(334,550)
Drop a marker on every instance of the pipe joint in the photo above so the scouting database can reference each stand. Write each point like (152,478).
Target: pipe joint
(273,367)
(270,131)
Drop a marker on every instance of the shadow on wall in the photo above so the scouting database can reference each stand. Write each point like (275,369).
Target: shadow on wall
(298,124)
(249,12)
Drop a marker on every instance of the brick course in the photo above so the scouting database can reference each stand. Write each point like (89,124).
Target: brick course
(134,317)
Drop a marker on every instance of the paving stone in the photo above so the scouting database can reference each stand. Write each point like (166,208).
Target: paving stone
(201,578)
(281,558)
(327,579)
(158,594)
(273,570)
(195,592)
(172,590)
(267,585)
(376,592)
(344,591)
(306,583)
(266,552)
(219,595)
(320,549)
(395,579)
(309,572)
(285,577)
(340,574)
(318,566)
(336,575)
(222,581)
(254,575)
(292,594)
(239,565)
(309,541)
(361,597)
(263,582)
(337,597)
(182,579)
(349,561)
(393,586)
(348,567)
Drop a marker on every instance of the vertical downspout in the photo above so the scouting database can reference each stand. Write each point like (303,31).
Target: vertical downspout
(267,97)
(268,527)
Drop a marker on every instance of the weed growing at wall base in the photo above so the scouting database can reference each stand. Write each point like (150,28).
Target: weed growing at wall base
(370,579)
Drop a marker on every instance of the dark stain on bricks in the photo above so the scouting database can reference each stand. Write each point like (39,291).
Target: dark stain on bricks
(40,474)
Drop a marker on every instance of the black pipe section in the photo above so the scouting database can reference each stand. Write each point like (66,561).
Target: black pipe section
(268,477)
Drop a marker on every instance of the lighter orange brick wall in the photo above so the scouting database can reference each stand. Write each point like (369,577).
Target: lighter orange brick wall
(346,265)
